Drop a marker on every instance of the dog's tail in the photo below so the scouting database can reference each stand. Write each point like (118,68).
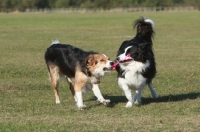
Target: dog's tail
(48,53)
(55,42)
(145,29)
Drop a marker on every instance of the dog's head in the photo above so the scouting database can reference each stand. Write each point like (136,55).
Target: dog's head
(134,52)
(140,47)
(98,64)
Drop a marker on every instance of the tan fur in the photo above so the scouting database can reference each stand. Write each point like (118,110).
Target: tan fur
(54,72)
(80,80)
(76,83)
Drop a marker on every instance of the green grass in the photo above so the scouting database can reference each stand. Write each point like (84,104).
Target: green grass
(27,99)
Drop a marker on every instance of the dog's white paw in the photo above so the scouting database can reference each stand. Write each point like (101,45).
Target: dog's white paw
(129,104)
(83,107)
(106,102)
(58,102)
(137,103)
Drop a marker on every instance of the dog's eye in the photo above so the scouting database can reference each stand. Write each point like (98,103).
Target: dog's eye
(102,60)
(128,51)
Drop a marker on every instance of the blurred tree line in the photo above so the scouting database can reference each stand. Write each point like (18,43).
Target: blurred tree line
(21,5)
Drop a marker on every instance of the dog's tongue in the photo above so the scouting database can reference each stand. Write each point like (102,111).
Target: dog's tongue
(115,65)
(127,57)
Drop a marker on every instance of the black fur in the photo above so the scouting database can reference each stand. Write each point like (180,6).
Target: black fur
(67,57)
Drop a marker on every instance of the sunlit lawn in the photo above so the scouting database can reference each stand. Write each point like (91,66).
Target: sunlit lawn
(27,99)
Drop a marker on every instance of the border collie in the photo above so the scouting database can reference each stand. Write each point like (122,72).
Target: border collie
(82,70)
(135,62)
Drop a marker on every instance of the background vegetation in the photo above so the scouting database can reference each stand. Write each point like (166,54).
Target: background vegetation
(27,101)
(21,5)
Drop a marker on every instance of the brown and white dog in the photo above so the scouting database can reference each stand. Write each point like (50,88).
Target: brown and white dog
(82,70)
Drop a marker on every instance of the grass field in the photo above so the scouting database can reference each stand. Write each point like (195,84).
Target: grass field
(27,101)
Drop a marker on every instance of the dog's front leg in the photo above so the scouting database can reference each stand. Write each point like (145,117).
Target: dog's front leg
(79,100)
(78,96)
(128,95)
(97,93)
(127,91)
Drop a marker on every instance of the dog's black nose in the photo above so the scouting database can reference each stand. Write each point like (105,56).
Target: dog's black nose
(112,63)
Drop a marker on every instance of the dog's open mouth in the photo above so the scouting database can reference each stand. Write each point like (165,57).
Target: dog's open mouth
(126,59)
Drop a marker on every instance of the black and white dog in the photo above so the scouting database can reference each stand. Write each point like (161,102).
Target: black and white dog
(135,62)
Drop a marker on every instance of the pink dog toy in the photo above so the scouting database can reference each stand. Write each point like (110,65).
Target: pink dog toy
(117,62)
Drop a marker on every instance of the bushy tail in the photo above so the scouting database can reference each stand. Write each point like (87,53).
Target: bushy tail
(145,29)
(55,42)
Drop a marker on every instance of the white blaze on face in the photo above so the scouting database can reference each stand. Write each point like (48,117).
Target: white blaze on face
(123,56)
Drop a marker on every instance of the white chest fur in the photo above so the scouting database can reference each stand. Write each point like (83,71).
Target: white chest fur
(132,74)
(93,80)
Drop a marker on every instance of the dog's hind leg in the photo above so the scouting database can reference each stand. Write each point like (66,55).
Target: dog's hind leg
(55,78)
(153,91)
(138,96)
(71,87)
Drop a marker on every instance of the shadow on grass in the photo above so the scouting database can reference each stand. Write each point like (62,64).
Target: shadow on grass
(168,98)
(171,98)
(114,100)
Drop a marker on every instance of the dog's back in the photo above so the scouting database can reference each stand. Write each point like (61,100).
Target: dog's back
(67,57)
(145,32)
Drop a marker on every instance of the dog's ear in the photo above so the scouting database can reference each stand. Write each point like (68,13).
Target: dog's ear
(90,61)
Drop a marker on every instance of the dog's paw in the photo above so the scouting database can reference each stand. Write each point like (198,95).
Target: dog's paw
(58,102)
(106,102)
(137,103)
(82,107)
(129,104)
(155,95)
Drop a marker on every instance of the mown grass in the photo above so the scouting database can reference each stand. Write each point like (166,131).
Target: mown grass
(27,100)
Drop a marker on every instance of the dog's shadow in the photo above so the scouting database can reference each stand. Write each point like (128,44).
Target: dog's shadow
(147,100)
(171,98)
